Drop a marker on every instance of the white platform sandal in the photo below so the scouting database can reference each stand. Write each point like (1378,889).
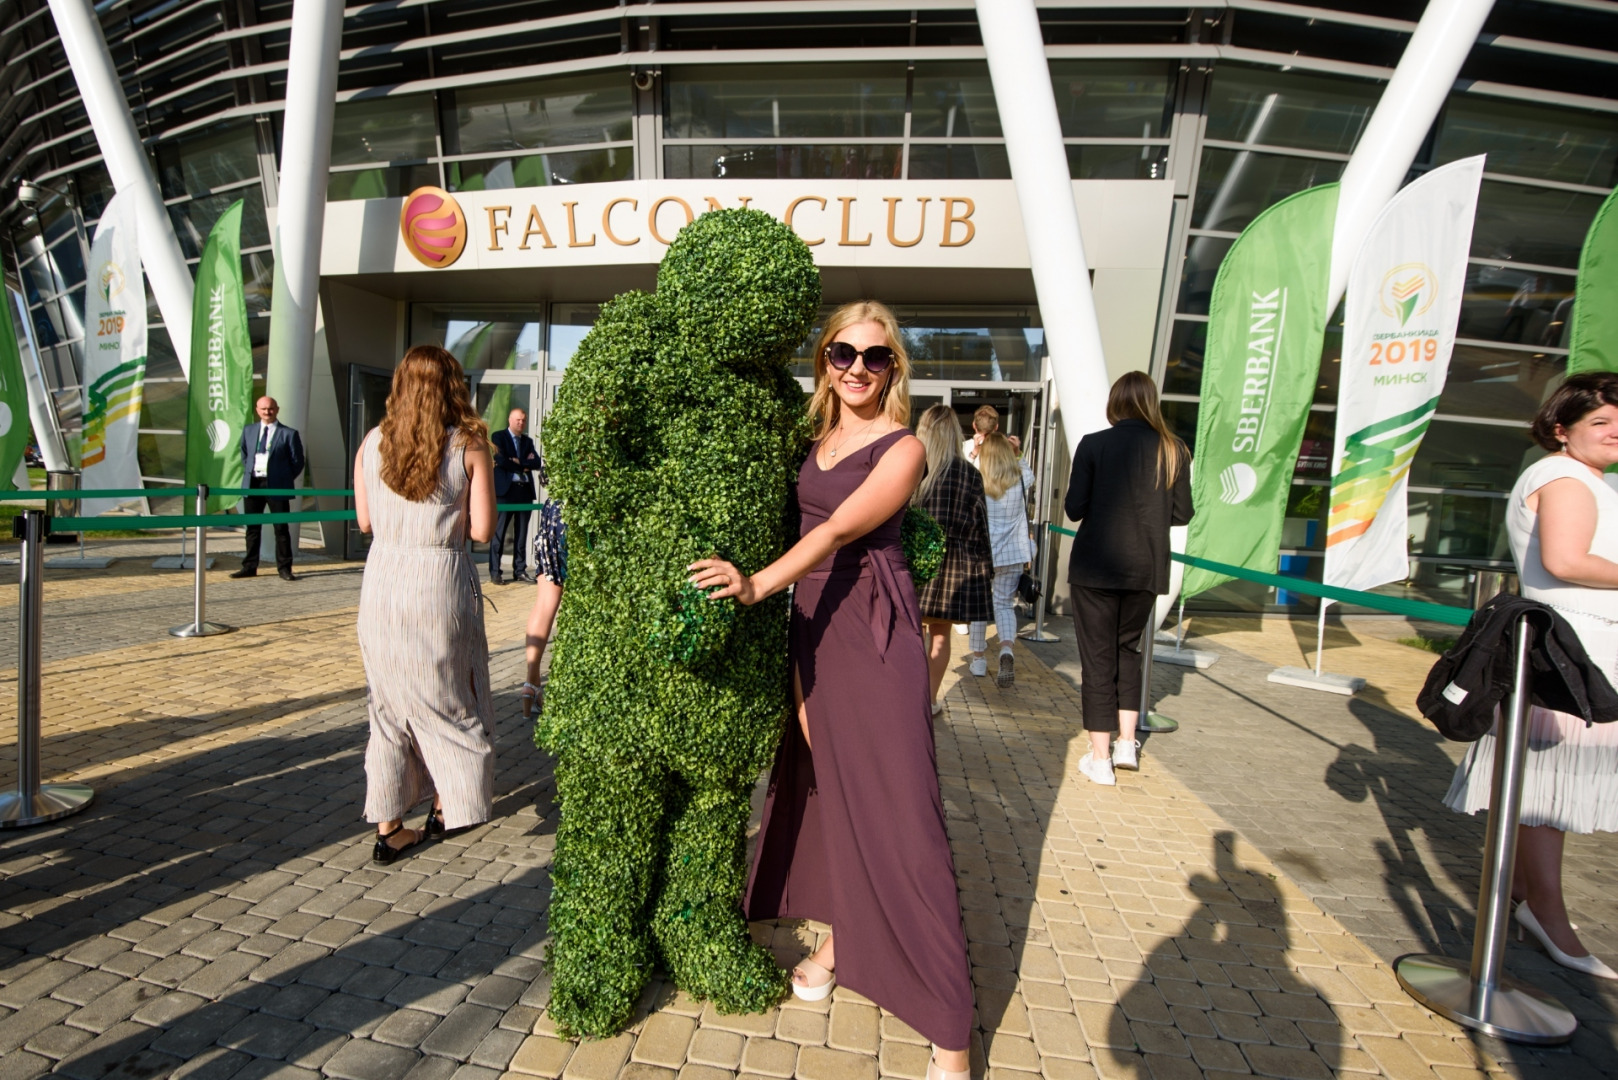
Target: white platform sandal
(818,982)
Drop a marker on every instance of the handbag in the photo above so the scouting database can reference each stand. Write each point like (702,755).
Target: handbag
(1027,585)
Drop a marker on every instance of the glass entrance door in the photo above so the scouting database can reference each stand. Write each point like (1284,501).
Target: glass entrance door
(367,401)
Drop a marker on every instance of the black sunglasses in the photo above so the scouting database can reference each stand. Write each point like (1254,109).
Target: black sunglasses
(841,355)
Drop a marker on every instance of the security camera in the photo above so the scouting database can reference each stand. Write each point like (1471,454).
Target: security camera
(643,80)
(28,193)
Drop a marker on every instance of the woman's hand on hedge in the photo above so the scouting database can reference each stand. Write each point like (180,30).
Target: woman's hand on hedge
(723,579)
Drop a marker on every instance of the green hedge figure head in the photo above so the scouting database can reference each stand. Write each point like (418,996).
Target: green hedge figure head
(676,435)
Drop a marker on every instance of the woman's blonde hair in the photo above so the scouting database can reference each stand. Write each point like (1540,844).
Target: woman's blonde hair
(940,435)
(997,460)
(1134,397)
(428,403)
(824,405)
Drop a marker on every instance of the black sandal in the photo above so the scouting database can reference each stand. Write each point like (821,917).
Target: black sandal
(434,825)
(385,852)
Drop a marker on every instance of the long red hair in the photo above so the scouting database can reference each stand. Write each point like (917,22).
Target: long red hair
(427,406)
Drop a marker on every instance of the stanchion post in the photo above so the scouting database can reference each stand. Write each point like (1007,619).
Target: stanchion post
(1478,993)
(199,626)
(33,803)
(1043,557)
(1151,722)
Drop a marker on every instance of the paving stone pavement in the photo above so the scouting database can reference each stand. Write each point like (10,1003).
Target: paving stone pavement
(215,914)
(1346,796)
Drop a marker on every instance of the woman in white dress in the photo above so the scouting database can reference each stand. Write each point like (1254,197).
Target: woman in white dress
(1563,524)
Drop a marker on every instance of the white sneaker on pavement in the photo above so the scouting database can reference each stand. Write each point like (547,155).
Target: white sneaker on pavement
(1099,772)
(1126,754)
(980,665)
(961,628)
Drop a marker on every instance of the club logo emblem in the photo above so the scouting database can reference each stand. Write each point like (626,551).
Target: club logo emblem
(433,227)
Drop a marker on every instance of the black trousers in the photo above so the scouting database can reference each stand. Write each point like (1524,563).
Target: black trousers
(256,504)
(1108,624)
(518,520)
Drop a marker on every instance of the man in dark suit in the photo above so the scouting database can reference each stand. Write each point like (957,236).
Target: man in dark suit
(514,460)
(272,457)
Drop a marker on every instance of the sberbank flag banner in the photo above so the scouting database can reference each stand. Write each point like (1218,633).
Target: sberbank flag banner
(221,364)
(1399,316)
(13,395)
(114,358)
(1266,324)
(1593,343)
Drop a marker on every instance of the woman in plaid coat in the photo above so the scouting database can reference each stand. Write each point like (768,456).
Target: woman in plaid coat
(952,492)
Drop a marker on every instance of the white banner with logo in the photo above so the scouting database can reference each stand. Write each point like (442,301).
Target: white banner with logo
(114,359)
(1401,308)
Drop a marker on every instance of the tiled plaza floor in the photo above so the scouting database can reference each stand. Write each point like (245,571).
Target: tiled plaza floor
(215,913)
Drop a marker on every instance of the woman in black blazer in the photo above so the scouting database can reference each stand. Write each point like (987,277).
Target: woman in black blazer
(1130,483)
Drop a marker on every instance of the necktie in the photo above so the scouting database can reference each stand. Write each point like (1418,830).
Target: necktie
(263,437)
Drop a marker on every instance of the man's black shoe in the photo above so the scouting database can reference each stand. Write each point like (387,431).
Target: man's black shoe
(245,572)
(496,579)
(288,575)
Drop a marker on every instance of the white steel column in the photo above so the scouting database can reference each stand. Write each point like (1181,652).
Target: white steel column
(1027,104)
(1405,113)
(125,157)
(317,32)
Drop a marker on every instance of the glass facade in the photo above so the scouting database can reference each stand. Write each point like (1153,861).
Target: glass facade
(474,97)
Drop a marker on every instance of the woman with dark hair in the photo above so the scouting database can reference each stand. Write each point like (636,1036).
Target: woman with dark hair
(853,830)
(423,486)
(1130,484)
(1563,523)
(952,492)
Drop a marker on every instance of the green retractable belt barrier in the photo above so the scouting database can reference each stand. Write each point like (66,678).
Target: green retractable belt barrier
(1419,609)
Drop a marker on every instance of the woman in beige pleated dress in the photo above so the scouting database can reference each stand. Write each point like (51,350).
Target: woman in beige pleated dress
(424,486)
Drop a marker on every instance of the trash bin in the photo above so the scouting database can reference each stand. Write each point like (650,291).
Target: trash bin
(66,480)
(1488,584)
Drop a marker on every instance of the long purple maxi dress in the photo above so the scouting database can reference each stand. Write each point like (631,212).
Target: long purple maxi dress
(853,834)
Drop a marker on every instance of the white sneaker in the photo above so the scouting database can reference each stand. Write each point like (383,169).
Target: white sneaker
(1099,772)
(961,628)
(1126,755)
(980,665)
(938,707)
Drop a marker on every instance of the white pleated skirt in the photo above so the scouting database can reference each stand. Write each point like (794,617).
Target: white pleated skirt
(1570,778)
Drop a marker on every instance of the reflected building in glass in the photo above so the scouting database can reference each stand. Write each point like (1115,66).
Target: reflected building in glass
(576,133)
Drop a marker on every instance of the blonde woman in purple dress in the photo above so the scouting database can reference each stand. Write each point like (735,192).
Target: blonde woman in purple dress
(853,831)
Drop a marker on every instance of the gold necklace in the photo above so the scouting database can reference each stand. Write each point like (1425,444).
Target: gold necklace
(848,438)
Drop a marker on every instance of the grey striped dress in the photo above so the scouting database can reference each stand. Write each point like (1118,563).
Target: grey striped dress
(426,656)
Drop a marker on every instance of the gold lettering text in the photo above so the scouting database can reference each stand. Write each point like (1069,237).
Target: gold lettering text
(535,227)
(651,217)
(893,213)
(848,221)
(573,231)
(497,227)
(951,219)
(792,208)
(606,222)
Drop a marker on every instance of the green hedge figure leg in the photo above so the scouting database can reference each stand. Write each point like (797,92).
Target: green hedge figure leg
(601,953)
(698,922)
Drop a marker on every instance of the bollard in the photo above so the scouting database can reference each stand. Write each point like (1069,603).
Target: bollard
(33,803)
(199,626)
(1151,722)
(1479,994)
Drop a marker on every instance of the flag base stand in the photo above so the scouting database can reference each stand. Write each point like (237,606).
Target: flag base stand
(1156,724)
(1038,636)
(1201,659)
(180,562)
(1514,1010)
(47,802)
(80,562)
(1346,685)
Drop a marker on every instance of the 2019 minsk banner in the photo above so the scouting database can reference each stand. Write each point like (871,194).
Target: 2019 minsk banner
(1401,309)
(114,358)
(1266,324)
(220,402)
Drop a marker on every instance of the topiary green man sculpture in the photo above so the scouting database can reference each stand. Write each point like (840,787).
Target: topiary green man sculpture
(675,437)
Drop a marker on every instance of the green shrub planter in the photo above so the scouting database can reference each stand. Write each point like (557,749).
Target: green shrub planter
(675,437)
